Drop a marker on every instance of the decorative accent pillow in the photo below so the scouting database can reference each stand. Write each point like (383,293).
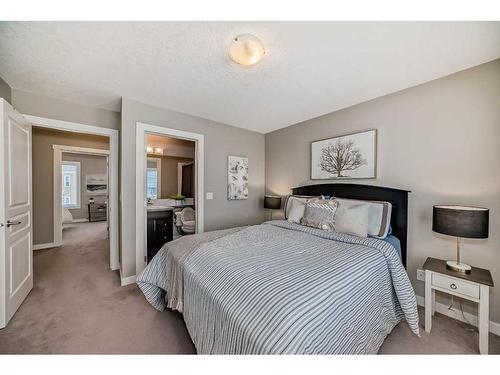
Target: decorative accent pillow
(292,198)
(352,219)
(296,210)
(379,215)
(320,214)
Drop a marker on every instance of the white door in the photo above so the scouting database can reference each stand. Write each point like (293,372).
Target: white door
(16,240)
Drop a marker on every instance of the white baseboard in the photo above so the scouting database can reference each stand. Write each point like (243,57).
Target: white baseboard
(80,220)
(42,246)
(126,280)
(472,319)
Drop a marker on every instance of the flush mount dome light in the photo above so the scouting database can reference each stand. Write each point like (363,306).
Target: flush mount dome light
(247,50)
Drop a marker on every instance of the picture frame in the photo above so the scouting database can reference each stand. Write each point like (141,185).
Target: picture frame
(347,156)
(96,184)
(237,177)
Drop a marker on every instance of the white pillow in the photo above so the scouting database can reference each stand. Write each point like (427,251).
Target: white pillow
(293,198)
(352,219)
(379,216)
(296,210)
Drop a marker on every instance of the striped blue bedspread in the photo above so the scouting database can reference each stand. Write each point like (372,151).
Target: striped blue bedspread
(282,288)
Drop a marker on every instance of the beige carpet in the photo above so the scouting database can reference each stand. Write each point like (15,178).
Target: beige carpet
(78,306)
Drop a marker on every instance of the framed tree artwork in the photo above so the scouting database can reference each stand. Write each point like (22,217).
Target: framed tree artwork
(345,157)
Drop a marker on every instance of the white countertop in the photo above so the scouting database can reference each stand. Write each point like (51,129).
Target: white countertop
(159,208)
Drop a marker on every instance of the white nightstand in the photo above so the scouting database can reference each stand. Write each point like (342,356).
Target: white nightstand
(474,286)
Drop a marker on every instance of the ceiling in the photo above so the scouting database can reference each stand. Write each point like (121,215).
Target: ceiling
(310,68)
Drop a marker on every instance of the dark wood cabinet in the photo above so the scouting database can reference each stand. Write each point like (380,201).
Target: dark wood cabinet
(159,230)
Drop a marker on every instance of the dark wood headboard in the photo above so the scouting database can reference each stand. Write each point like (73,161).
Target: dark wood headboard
(398,198)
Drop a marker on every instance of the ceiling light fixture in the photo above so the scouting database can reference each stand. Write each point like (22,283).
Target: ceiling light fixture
(247,50)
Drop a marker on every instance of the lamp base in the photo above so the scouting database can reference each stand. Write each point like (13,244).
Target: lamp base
(458,267)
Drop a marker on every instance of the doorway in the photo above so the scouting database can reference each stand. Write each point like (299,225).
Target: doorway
(70,194)
(80,187)
(16,206)
(60,148)
(163,204)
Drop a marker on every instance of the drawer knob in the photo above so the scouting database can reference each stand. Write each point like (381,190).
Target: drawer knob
(453,286)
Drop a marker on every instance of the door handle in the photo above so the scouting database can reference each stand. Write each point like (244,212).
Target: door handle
(11,223)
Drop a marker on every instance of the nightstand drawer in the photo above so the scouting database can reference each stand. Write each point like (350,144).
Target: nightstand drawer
(455,285)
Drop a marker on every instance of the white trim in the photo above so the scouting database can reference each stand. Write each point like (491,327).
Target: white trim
(80,150)
(76,221)
(70,126)
(140,200)
(58,151)
(494,327)
(43,246)
(56,201)
(113,204)
(126,280)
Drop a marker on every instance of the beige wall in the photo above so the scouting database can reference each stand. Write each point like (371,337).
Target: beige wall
(43,175)
(5,90)
(89,164)
(441,140)
(174,151)
(43,106)
(169,174)
(220,141)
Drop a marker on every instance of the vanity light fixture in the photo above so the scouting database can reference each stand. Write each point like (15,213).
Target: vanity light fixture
(247,50)
(154,150)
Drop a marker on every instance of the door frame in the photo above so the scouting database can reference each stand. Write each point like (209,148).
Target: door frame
(140,195)
(58,151)
(113,205)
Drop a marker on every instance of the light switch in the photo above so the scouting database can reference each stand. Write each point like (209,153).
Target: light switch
(210,195)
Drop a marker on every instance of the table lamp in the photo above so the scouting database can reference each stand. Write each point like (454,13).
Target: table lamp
(460,221)
(272,202)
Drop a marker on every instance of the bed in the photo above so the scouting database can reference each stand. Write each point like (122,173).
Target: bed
(284,288)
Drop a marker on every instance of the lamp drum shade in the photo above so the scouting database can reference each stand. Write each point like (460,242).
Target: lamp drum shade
(272,202)
(461,221)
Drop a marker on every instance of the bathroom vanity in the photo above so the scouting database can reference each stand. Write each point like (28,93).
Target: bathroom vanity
(160,223)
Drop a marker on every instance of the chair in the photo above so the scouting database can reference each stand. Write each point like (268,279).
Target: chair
(185,221)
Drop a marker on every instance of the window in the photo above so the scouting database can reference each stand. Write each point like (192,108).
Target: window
(152,183)
(70,184)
